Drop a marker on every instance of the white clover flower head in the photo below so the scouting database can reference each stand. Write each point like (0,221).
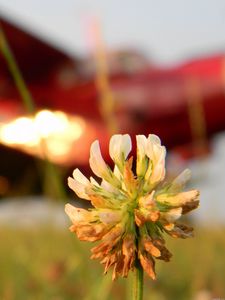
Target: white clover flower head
(131,210)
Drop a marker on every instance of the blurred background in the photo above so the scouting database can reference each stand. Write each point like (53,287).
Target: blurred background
(75,71)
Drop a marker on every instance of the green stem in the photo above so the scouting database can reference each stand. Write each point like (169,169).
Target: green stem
(138,282)
(17,76)
(51,170)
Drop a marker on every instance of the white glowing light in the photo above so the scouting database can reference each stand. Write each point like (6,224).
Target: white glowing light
(48,123)
(56,130)
(20,131)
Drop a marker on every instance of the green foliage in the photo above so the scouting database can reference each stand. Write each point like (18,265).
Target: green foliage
(51,264)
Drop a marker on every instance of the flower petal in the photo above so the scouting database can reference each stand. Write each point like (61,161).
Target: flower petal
(142,160)
(179,199)
(117,173)
(150,247)
(147,200)
(108,187)
(156,154)
(79,184)
(94,182)
(119,148)
(99,167)
(97,163)
(148,264)
(108,216)
(78,215)
(172,215)
(90,232)
(181,231)
(128,250)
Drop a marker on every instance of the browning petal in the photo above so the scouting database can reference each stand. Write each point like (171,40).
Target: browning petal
(150,247)
(181,231)
(189,206)
(153,216)
(145,216)
(109,240)
(139,218)
(168,226)
(148,264)
(91,232)
(165,253)
(129,178)
(128,250)
(109,261)
(118,266)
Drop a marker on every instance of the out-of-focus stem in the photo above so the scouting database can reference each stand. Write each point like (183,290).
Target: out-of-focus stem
(106,97)
(15,72)
(51,170)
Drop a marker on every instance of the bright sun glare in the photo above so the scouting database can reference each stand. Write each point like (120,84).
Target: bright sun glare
(52,132)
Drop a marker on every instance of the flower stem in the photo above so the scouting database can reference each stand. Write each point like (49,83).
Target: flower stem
(50,169)
(138,282)
(16,74)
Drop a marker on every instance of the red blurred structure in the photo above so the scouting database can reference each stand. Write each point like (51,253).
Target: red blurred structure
(179,104)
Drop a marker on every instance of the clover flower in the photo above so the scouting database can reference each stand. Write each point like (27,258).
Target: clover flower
(131,210)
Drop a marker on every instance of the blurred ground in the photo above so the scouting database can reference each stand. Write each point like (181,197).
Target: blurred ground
(48,263)
(32,212)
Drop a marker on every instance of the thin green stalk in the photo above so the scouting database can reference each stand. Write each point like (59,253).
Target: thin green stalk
(138,282)
(17,76)
(51,170)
